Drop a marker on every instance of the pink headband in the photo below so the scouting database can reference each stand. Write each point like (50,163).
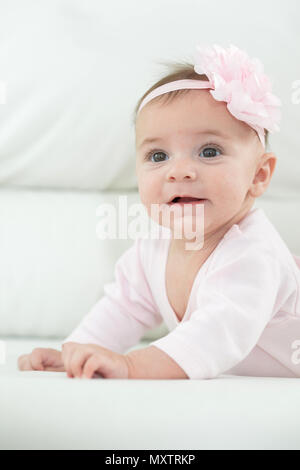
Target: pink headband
(236,80)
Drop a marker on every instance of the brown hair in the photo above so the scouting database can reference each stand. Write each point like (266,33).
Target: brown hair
(177,71)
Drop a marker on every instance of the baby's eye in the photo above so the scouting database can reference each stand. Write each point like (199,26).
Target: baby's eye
(152,154)
(159,156)
(209,152)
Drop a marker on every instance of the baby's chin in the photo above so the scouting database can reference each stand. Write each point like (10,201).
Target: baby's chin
(189,228)
(192,226)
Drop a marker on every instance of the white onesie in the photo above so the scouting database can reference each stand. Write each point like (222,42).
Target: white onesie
(243,314)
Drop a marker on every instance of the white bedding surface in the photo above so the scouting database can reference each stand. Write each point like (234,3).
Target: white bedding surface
(46,410)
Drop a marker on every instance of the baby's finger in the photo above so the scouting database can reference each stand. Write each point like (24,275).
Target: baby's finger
(24,362)
(78,360)
(92,365)
(67,352)
(36,359)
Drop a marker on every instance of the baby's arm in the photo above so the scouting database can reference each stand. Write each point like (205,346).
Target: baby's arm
(152,363)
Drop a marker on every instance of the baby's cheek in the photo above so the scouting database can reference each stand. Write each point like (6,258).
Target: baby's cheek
(228,195)
(150,190)
(229,185)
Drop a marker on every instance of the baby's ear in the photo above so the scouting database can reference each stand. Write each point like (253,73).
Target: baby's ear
(264,173)
(271,161)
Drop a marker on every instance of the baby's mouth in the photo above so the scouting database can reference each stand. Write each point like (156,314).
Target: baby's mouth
(186,200)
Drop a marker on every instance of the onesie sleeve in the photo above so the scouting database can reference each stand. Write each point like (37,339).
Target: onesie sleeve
(234,304)
(126,311)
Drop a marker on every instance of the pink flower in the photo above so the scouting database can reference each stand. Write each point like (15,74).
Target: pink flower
(242,84)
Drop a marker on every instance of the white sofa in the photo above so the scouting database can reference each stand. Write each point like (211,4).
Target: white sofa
(74,71)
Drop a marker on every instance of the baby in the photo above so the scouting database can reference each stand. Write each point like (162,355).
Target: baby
(232,305)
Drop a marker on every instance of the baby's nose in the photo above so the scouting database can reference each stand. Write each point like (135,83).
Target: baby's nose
(181,170)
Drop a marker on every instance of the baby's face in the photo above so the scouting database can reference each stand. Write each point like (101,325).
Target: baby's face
(189,156)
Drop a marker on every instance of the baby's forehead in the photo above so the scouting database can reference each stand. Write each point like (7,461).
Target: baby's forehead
(195,111)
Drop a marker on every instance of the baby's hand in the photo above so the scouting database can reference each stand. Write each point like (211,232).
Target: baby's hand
(85,360)
(42,359)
